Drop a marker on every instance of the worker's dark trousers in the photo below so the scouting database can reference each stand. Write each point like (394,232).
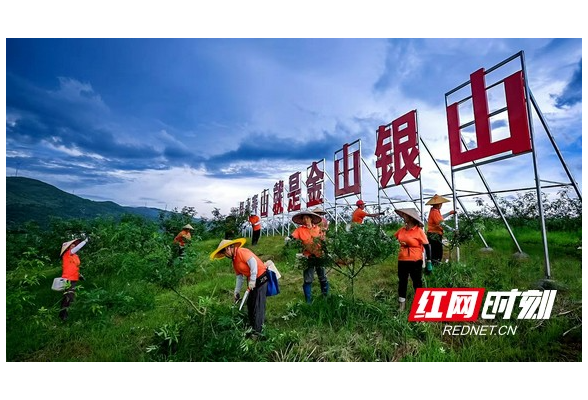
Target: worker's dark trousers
(255,237)
(256,306)
(68,298)
(436,248)
(412,269)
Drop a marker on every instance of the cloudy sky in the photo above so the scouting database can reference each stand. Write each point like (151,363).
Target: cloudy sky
(210,122)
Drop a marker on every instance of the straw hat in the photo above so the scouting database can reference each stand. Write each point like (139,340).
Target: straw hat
(319,211)
(412,213)
(223,245)
(436,199)
(297,219)
(188,226)
(66,245)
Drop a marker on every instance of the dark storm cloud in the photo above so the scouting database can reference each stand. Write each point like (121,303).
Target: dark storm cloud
(75,118)
(266,147)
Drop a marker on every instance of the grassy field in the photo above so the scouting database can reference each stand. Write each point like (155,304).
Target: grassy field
(120,318)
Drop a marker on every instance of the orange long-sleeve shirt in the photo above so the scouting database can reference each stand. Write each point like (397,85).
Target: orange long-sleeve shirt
(358,216)
(242,255)
(255,222)
(71,262)
(414,240)
(182,237)
(307,236)
(434,221)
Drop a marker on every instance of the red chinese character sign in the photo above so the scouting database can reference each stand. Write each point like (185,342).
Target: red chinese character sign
(397,149)
(384,154)
(294,191)
(492,122)
(347,171)
(314,184)
(519,141)
(278,198)
(254,204)
(264,203)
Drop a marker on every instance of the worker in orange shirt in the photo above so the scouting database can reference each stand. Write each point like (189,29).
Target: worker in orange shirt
(310,235)
(435,227)
(255,222)
(359,214)
(413,243)
(248,267)
(183,238)
(70,271)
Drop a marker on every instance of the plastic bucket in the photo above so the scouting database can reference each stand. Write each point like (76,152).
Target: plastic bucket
(59,284)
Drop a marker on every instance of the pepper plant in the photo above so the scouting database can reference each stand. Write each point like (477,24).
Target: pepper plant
(361,246)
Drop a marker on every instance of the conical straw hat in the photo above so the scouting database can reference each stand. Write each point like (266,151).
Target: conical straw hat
(297,219)
(318,210)
(436,199)
(66,245)
(223,245)
(412,213)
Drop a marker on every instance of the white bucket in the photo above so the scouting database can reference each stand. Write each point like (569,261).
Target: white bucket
(59,284)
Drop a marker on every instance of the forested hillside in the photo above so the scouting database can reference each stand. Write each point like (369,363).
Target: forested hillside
(32,200)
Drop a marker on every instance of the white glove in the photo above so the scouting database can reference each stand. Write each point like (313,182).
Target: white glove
(287,239)
(251,285)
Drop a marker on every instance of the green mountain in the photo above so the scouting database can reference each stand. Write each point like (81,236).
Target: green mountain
(32,200)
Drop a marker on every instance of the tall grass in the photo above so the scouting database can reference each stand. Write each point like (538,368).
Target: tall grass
(122,314)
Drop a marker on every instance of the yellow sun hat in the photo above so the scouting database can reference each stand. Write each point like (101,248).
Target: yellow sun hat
(223,245)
